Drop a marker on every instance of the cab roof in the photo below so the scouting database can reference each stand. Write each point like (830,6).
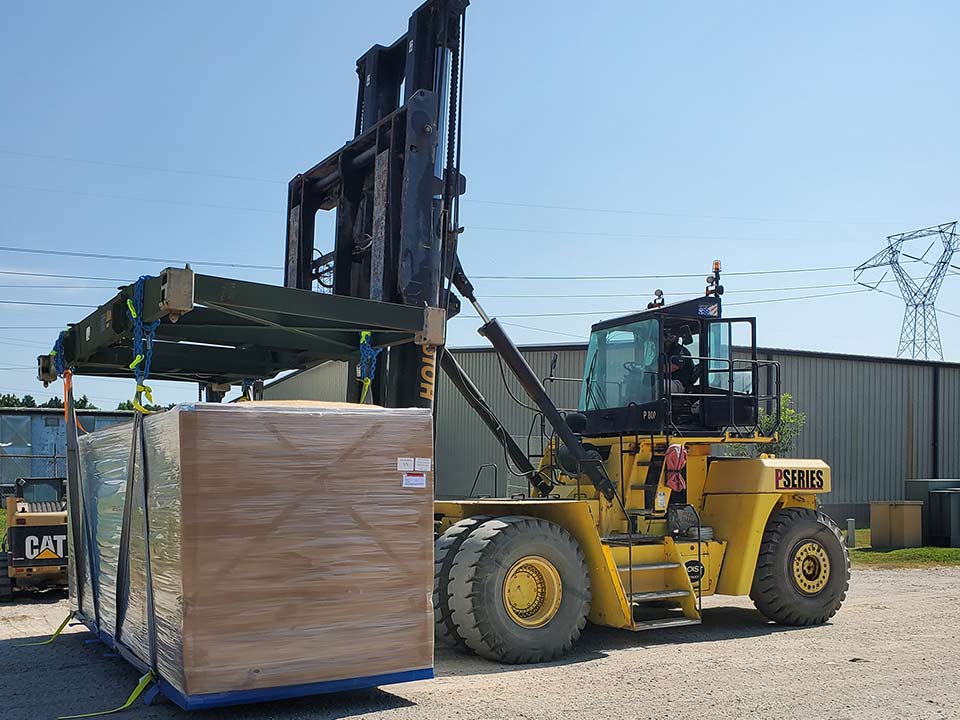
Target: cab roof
(705,307)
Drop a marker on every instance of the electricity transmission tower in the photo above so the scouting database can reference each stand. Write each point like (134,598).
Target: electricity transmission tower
(920,336)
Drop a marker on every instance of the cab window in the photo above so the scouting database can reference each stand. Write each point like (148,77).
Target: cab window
(621,366)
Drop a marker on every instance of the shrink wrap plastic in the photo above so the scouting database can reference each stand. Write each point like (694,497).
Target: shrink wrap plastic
(289,544)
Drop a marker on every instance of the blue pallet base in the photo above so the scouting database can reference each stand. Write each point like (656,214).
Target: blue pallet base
(243,697)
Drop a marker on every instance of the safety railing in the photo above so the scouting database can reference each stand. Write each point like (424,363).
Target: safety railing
(729,369)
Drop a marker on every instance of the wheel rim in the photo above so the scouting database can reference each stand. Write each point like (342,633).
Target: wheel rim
(532,591)
(811,567)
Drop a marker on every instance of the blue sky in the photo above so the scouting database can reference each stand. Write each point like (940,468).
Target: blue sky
(771,137)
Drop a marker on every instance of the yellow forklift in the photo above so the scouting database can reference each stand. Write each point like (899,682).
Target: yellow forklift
(636,510)
(34,551)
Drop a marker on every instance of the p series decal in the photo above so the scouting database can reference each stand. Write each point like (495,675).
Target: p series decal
(798,479)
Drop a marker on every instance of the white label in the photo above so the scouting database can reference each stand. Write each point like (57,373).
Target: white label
(404,464)
(423,464)
(661,503)
(414,480)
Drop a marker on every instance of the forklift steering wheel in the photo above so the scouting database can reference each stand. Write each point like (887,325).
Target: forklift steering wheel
(634,367)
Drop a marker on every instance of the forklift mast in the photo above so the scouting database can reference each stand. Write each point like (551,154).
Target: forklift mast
(395,187)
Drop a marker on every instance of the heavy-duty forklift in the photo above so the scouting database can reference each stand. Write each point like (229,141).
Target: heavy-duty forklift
(633,511)
(34,551)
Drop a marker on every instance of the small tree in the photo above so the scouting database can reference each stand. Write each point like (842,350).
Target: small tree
(791,425)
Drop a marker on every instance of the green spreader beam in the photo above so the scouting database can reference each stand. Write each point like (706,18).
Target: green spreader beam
(220,330)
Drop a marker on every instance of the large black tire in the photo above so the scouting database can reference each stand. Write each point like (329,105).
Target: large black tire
(445,549)
(790,586)
(478,594)
(6,583)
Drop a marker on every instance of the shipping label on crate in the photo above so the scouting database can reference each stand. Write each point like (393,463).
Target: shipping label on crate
(414,480)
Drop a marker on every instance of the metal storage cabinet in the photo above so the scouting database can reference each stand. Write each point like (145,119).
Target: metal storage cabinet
(945,518)
(920,490)
(895,524)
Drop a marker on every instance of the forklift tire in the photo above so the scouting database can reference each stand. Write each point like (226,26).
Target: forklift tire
(803,570)
(6,582)
(445,549)
(519,590)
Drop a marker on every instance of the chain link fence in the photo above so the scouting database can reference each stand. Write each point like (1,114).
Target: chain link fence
(14,466)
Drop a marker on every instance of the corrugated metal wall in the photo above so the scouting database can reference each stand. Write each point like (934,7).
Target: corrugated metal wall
(949,445)
(870,419)
(327,381)
(464,443)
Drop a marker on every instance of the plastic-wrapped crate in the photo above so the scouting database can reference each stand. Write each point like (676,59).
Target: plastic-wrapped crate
(260,550)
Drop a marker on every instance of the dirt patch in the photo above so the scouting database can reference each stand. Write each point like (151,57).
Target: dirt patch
(891,652)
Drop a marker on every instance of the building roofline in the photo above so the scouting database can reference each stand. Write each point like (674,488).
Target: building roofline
(559,347)
(59,411)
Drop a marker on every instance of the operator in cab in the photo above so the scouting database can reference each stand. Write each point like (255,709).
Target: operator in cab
(679,363)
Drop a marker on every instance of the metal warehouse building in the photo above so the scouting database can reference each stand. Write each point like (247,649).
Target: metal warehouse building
(876,421)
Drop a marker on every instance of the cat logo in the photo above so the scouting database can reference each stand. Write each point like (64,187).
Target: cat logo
(45,547)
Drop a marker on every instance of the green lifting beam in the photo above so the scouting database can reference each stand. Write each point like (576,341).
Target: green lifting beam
(220,330)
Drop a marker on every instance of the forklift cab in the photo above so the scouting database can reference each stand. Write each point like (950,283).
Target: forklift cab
(672,369)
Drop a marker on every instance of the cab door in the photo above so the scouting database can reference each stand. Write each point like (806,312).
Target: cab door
(730,374)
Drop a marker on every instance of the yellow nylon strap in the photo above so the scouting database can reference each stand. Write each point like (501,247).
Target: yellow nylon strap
(137,691)
(53,637)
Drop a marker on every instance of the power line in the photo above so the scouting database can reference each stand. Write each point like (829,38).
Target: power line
(642,236)
(23,273)
(31,286)
(103,256)
(658,213)
(789,299)
(132,166)
(614,313)
(939,310)
(737,291)
(164,201)
(45,304)
(543,330)
(735,273)
(741,273)
(23,343)
(501,203)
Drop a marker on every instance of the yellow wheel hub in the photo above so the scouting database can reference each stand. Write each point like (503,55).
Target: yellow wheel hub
(811,567)
(532,591)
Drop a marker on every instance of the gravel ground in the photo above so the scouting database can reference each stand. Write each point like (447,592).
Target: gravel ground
(893,651)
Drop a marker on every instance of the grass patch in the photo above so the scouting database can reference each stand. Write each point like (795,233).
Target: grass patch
(865,556)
